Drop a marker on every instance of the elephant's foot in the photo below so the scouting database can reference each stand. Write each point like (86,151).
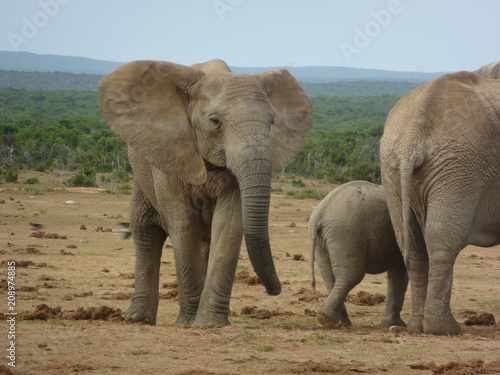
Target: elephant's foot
(441,325)
(139,312)
(393,320)
(330,322)
(415,324)
(215,320)
(185,319)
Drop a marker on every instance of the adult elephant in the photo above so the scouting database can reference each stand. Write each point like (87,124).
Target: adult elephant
(440,164)
(203,143)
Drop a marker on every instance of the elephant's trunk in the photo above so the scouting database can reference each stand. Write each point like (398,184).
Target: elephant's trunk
(254,177)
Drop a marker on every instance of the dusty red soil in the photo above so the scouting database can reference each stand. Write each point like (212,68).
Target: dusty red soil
(73,287)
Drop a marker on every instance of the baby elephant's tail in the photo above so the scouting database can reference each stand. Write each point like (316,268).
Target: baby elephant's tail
(314,234)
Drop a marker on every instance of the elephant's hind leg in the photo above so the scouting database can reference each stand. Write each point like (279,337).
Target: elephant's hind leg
(397,283)
(445,238)
(149,238)
(333,310)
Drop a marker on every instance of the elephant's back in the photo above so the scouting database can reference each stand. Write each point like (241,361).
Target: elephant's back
(353,203)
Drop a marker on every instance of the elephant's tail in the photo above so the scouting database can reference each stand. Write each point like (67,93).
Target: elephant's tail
(315,237)
(412,159)
(406,171)
(319,249)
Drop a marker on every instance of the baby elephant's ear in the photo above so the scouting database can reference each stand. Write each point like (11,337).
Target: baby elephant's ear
(293,118)
(145,104)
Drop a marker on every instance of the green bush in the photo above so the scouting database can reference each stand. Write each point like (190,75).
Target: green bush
(10,173)
(125,189)
(298,183)
(31,181)
(122,176)
(81,179)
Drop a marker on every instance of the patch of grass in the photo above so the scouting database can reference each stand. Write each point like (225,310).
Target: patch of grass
(33,191)
(36,191)
(321,339)
(264,348)
(117,176)
(298,183)
(210,328)
(309,194)
(293,324)
(125,189)
(248,334)
(243,320)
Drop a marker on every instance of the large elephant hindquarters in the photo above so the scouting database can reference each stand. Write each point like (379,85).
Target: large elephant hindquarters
(440,164)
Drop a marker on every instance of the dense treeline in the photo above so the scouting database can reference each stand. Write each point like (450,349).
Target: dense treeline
(48,81)
(359,88)
(344,142)
(57,81)
(45,130)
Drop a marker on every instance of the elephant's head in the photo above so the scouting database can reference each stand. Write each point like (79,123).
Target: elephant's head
(181,117)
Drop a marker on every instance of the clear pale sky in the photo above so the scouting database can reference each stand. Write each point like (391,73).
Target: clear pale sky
(404,35)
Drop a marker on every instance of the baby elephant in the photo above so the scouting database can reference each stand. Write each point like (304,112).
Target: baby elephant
(352,234)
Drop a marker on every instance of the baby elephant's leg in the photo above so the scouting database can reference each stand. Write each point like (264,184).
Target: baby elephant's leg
(397,282)
(333,310)
(336,316)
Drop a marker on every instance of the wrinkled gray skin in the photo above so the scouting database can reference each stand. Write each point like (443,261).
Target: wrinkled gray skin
(204,144)
(351,235)
(440,164)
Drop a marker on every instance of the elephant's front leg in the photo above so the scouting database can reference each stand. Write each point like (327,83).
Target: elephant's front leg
(227,233)
(397,282)
(190,264)
(149,238)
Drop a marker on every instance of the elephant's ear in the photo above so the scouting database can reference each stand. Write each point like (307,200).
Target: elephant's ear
(491,70)
(293,118)
(212,67)
(145,104)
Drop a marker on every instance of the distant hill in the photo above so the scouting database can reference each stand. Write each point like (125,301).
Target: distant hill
(31,62)
(320,74)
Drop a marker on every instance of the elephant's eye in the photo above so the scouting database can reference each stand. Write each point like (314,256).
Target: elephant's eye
(216,122)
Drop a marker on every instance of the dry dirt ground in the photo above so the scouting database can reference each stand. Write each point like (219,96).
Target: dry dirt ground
(73,287)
